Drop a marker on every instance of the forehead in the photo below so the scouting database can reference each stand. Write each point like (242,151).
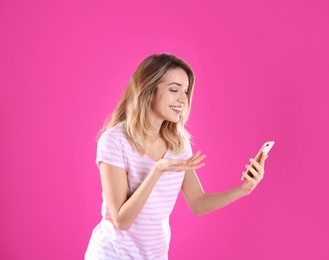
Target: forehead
(176,75)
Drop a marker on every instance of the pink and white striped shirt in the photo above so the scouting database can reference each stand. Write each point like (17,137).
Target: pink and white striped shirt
(149,236)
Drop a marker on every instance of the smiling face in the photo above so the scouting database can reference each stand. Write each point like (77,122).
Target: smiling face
(170,98)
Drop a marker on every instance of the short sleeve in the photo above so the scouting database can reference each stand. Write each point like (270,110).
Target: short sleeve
(110,150)
(186,154)
(189,151)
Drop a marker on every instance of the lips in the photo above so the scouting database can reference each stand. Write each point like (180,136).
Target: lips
(177,109)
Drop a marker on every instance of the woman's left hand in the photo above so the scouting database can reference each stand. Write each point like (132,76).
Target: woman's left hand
(257,170)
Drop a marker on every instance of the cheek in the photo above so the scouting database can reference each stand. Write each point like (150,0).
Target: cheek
(156,103)
(162,98)
(153,104)
(154,100)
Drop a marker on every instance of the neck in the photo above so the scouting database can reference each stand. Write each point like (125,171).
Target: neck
(152,139)
(155,124)
(155,129)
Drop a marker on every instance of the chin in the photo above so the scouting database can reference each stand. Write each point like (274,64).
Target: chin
(174,120)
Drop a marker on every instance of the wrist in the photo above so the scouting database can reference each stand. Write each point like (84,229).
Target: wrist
(157,170)
(242,191)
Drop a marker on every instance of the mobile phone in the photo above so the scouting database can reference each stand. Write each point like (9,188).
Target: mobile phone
(267,146)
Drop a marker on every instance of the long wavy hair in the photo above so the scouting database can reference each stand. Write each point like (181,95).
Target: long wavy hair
(135,104)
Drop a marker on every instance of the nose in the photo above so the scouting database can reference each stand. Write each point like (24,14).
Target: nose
(182,98)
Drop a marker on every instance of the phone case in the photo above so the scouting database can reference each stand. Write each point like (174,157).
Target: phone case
(267,146)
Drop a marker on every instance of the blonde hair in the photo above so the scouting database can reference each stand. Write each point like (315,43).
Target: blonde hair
(135,104)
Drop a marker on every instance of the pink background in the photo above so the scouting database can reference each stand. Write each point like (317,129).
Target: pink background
(262,73)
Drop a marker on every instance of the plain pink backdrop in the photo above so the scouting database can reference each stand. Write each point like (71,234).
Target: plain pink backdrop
(261,73)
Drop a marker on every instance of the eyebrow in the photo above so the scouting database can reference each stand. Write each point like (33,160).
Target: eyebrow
(178,84)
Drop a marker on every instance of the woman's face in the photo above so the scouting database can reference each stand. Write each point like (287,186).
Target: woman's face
(171,97)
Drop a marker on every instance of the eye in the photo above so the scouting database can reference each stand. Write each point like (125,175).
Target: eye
(173,90)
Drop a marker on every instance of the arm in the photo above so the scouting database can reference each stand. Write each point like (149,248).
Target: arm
(123,209)
(201,203)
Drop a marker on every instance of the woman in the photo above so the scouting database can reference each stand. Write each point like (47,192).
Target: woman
(145,159)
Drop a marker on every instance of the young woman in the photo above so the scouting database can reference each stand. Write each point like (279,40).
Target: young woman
(145,159)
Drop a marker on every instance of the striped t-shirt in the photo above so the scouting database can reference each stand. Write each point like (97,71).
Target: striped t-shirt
(149,236)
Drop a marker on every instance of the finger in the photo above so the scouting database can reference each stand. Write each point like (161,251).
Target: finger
(198,166)
(190,167)
(259,168)
(255,164)
(262,159)
(253,171)
(193,163)
(246,177)
(194,156)
(197,159)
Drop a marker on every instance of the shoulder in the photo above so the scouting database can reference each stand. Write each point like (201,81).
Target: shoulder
(114,138)
(188,151)
(115,134)
(112,146)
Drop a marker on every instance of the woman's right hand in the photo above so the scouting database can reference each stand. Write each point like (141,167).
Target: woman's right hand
(172,165)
